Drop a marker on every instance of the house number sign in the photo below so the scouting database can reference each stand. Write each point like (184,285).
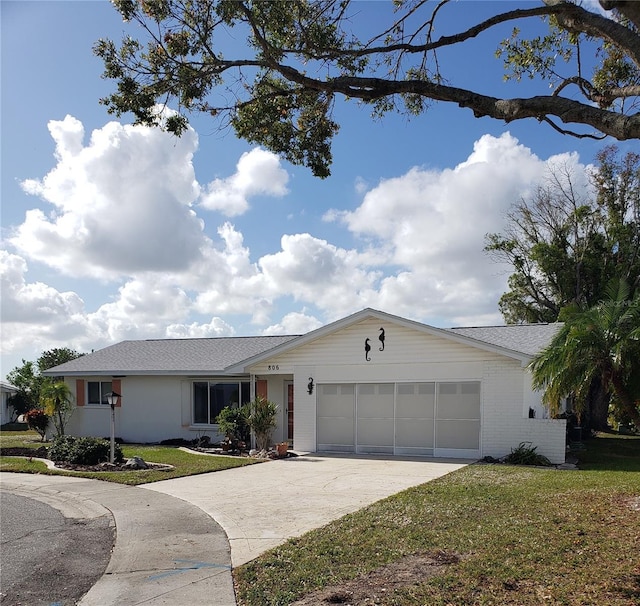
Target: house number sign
(273,367)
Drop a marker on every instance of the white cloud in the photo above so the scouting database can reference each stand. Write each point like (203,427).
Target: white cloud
(217,327)
(258,172)
(122,209)
(121,203)
(312,270)
(294,323)
(432,224)
(35,315)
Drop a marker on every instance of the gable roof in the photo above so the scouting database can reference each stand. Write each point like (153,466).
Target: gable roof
(233,355)
(528,339)
(169,356)
(521,344)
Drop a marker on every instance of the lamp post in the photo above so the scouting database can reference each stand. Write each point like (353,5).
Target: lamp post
(112,400)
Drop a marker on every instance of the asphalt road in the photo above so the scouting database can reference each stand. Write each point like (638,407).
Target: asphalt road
(45,558)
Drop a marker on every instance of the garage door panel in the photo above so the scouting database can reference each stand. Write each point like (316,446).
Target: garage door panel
(414,433)
(335,428)
(458,434)
(332,430)
(375,407)
(460,400)
(377,432)
(415,400)
(459,410)
(335,400)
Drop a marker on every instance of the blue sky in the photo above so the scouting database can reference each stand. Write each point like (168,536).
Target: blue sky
(113,232)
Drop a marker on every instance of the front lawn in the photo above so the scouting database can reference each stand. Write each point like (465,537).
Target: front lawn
(485,535)
(184,463)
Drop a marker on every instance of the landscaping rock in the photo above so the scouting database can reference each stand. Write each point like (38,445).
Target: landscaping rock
(136,463)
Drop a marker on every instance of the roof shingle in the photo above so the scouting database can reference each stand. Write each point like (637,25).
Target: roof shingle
(170,356)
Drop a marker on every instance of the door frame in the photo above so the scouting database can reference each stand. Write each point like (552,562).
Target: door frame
(288,423)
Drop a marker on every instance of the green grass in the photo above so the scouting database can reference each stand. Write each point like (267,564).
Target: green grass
(524,535)
(184,463)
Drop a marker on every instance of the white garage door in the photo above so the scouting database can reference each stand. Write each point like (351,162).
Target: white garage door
(434,418)
(335,418)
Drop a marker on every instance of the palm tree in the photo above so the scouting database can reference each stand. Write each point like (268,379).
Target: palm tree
(58,403)
(598,344)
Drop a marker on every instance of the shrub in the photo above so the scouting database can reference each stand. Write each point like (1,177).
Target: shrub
(262,419)
(83,451)
(233,423)
(525,454)
(38,420)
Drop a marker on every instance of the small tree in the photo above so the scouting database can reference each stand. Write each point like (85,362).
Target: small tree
(58,404)
(261,417)
(38,420)
(601,342)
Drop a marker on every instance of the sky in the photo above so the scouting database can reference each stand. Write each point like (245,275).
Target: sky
(111,231)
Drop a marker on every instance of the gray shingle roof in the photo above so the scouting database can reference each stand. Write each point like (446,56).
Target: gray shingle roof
(169,356)
(214,356)
(528,339)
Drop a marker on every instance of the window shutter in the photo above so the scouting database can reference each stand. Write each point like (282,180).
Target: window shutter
(80,392)
(116,385)
(261,388)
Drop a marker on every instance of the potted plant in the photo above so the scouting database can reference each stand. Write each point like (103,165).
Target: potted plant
(282,449)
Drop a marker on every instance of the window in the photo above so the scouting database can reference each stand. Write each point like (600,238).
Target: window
(97,392)
(210,397)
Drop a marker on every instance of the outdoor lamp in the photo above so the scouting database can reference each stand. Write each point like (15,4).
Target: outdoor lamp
(112,400)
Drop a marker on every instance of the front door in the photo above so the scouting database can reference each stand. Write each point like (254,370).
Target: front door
(289,413)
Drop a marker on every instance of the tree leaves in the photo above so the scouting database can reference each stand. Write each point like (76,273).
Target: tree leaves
(302,55)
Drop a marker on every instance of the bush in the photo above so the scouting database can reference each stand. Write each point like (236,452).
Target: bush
(525,454)
(233,423)
(83,451)
(262,419)
(38,420)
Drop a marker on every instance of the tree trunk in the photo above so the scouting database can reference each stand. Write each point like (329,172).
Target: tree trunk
(597,409)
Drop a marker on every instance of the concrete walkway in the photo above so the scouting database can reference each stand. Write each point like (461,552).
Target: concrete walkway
(170,548)
(167,551)
(262,506)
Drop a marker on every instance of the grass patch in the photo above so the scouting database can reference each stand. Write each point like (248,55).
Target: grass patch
(523,535)
(184,463)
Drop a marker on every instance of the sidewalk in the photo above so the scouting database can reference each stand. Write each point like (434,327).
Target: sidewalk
(167,551)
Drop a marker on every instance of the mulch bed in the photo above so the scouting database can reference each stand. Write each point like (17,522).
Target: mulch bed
(43,453)
(20,451)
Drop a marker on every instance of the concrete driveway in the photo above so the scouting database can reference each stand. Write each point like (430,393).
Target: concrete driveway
(262,506)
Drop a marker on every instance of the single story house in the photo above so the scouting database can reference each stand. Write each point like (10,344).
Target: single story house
(6,410)
(370,383)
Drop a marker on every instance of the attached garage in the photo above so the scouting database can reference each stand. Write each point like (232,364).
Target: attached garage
(425,419)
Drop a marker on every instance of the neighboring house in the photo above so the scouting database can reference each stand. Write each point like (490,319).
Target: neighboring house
(6,410)
(369,383)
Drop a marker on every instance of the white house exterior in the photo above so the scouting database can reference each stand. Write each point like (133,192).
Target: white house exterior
(6,410)
(371,383)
